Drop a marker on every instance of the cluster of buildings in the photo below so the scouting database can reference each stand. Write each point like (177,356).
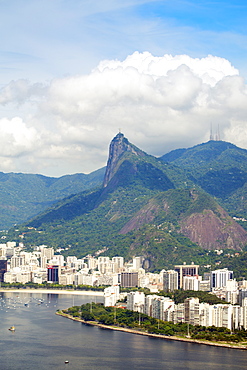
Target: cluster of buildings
(191,311)
(44,265)
(232,315)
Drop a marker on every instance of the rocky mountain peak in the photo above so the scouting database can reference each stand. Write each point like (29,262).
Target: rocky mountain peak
(118,147)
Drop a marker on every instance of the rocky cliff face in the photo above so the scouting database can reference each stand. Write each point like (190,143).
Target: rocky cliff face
(212,231)
(118,147)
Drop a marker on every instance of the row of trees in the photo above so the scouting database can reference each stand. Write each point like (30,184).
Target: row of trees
(46,285)
(139,321)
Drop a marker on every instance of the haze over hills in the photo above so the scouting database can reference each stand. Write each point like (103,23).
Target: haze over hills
(148,206)
(25,195)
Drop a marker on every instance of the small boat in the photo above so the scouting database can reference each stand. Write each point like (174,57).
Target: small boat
(12,328)
(66,362)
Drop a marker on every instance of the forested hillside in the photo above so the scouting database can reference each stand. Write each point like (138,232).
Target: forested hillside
(218,167)
(23,196)
(145,206)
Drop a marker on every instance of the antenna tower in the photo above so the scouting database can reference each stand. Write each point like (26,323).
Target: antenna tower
(211,133)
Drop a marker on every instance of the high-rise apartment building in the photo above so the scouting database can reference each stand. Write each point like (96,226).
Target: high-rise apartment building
(118,261)
(191,311)
(129,279)
(137,262)
(170,280)
(3,269)
(17,261)
(218,278)
(2,250)
(53,274)
(135,301)
(47,252)
(191,282)
(185,270)
(111,295)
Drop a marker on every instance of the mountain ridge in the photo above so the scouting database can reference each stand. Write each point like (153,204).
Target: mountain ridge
(144,205)
(220,168)
(23,196)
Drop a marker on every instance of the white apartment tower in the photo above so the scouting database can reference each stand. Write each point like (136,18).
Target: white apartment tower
(192,311)
(47,252)
(135,301)
(170,280)
(218,278)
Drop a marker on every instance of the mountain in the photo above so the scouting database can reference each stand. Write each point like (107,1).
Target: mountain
(196,215)
(23,196)
(145,206)
(218,167)
(129,171)
(119,147)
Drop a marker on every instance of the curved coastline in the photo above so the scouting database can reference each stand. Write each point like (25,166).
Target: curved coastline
(127,330)
(54,291)
(160,336)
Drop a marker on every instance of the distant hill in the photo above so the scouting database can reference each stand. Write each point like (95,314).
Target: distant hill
(129,171)
(23,196)
(218,167)
(144,206)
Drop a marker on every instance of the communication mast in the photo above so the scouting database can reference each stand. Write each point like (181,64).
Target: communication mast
(215,137)
(211,133)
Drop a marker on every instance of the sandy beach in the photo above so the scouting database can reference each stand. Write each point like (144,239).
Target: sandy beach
(54,291)
(132,331)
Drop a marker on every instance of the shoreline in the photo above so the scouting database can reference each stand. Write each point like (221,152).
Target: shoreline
(53,291)
(160,336)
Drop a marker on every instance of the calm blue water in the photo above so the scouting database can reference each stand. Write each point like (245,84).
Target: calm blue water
(43,340)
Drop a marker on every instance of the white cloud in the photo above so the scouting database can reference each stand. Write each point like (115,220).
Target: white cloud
(160,103)
(210,69)
(17,138)
(21,91)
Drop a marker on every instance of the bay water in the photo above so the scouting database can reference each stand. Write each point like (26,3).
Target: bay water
(43,340)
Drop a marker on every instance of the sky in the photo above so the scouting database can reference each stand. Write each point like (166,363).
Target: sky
(75,72)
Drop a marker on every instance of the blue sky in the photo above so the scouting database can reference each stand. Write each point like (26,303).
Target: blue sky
(46,39)
(50,45)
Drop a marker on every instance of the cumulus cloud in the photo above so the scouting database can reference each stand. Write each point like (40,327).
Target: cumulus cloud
(160,103)
(17,138)
(210,69)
